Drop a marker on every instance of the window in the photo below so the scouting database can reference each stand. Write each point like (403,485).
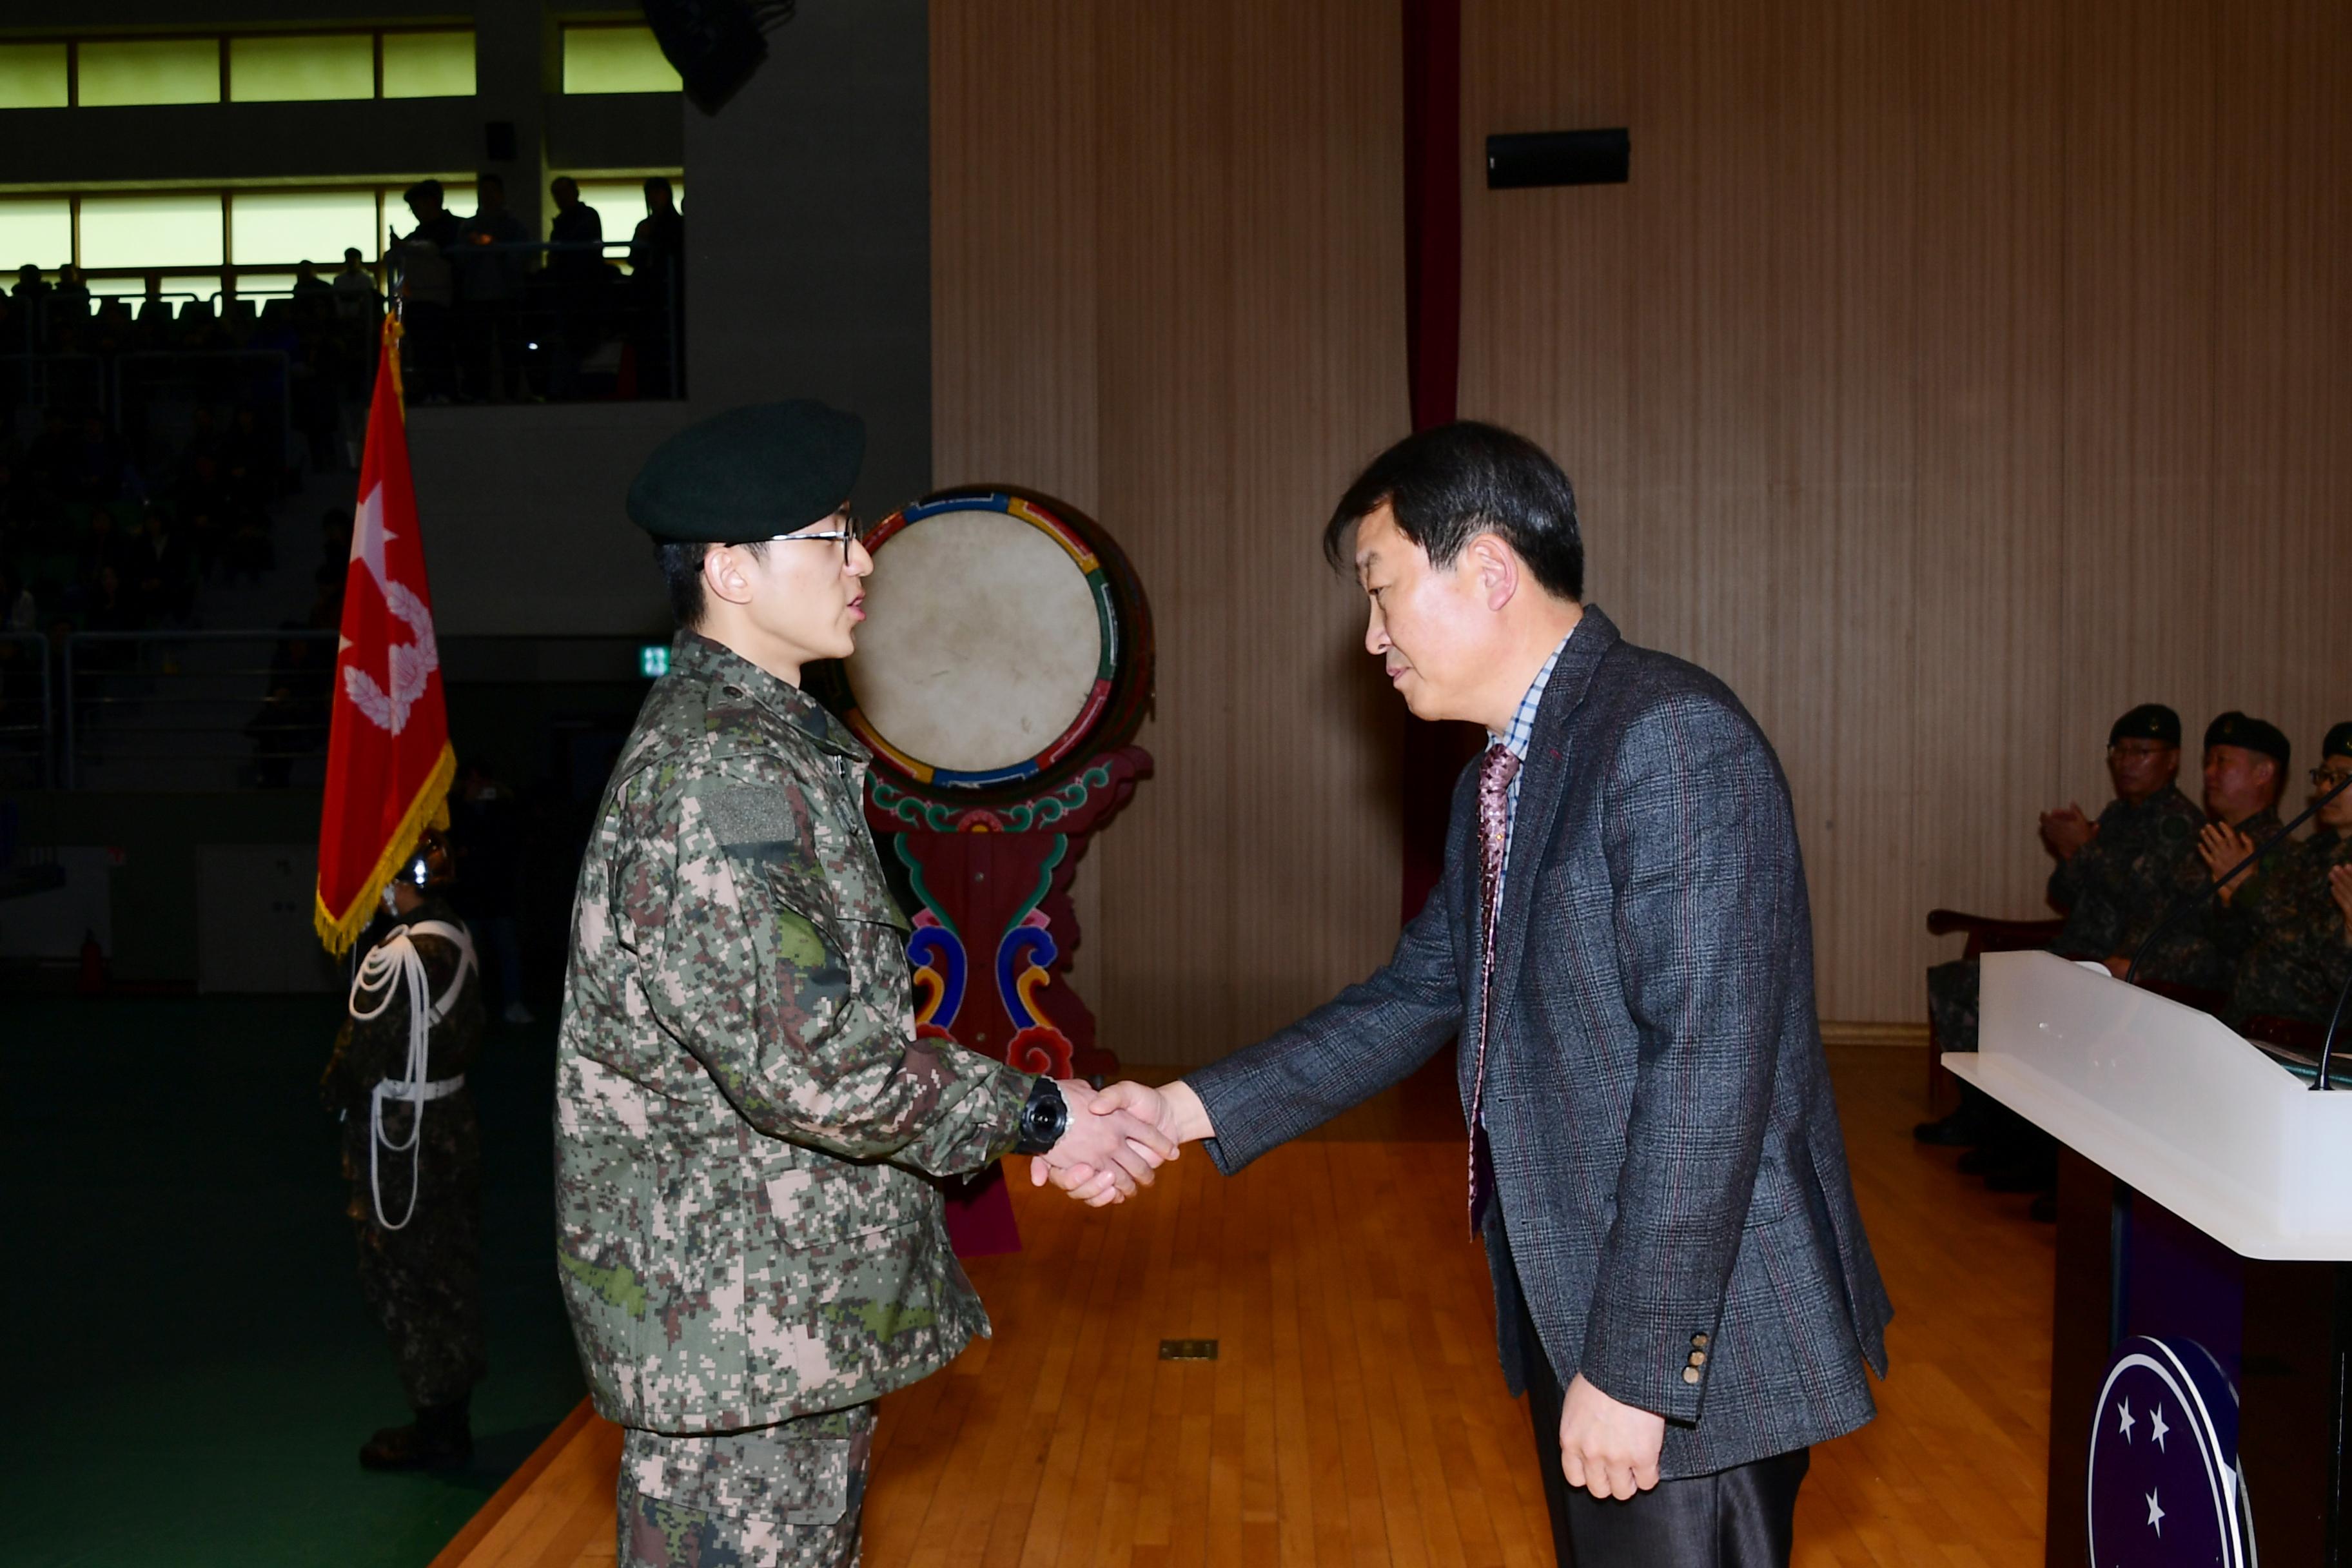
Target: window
(278,67)
(33,76)
(38,231)
(173,230)
(148,71)
(245,68)
(615,60)
(277,228)
(428,65)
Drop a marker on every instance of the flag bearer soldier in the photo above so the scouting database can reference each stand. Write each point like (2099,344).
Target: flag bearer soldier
(750,1250)
(412,1153)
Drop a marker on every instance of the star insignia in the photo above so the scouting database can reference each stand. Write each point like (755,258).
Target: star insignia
(2155,1514)
(2124,1425)
(2157,1428)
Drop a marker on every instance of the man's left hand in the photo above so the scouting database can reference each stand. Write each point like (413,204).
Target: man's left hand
(1608,1449)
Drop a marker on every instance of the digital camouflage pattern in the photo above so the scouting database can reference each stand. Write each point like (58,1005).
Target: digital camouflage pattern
(2191,954)
(2285,934)
(2115,888)
(2112,891)
(785,1496)
(423,1280)
(742,1106)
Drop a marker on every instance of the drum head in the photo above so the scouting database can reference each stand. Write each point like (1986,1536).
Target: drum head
(995,640)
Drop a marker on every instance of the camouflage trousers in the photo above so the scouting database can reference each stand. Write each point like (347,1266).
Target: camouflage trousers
(1952,1004)
(423,1281)
(786,1496)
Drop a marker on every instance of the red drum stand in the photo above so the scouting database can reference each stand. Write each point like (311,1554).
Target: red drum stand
(993,938)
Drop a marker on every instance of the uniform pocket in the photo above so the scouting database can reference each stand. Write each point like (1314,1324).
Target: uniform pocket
(802,1474)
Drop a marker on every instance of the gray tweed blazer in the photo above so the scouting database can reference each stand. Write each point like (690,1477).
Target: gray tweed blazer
(1669,1174)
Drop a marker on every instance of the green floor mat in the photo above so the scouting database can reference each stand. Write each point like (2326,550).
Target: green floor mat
(192,1367)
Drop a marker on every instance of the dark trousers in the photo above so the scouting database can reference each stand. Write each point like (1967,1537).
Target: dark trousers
(1740,1517)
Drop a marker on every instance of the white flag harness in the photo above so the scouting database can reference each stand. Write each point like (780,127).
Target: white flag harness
(391,966)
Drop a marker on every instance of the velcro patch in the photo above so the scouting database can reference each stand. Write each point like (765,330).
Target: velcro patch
(750,816)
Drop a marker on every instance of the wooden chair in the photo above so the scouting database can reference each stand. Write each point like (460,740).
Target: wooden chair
(1985,935)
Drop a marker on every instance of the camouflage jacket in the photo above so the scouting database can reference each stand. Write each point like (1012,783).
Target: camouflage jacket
(369,1050)
(2114,889)
(2285,934)
(2191,951)
(742,1104)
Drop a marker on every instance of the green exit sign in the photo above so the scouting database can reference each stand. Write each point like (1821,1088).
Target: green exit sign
(653,660)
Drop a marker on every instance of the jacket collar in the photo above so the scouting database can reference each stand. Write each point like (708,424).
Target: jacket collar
(739,681)
(1542,785)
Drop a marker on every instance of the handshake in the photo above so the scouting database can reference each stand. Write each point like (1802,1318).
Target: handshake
(1118,1137)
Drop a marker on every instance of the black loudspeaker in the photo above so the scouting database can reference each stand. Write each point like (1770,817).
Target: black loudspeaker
(1557,158)
(499,141)
(716,44)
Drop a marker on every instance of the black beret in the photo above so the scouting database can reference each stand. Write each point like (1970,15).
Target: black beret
(750,473)
(2339,742)
(2148,721)
(2234,729)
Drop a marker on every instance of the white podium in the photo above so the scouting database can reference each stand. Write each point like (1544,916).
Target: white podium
(2170,1101)
(2204,1194)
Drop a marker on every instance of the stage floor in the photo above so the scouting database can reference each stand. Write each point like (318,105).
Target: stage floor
(1355,1413)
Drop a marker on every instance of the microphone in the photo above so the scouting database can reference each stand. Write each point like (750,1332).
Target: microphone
(2334,1022)
(2182,906)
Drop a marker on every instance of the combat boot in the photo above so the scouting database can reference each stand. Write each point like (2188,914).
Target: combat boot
(440,1438)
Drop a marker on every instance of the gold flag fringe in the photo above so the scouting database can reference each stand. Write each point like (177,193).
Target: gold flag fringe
(429,809)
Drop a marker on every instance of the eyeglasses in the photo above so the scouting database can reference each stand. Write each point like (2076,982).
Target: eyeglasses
(2139,749)
(847,535)
(2328,778)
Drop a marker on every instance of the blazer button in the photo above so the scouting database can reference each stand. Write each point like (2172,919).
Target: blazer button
(1698,1342)
(1690,1374)
(1698,1358)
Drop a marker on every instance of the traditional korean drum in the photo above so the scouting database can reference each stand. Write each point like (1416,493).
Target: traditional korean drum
(1006,645)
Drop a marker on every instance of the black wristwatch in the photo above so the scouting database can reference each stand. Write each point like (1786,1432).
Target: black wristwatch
(1044,1118)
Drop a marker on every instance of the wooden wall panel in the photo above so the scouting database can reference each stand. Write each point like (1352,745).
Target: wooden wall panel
(1167,286)
(1948,379)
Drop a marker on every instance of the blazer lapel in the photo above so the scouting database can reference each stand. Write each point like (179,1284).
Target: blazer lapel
(1544,780)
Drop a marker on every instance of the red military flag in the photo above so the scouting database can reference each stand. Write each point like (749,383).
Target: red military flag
(388,759)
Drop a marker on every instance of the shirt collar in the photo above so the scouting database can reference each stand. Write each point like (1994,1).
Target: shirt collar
(694,654)
(1522,728)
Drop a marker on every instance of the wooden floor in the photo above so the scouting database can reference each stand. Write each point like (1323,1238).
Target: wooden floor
(1356,1415)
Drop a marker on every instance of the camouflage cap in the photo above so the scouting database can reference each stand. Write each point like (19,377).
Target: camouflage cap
(2148,721)
(2234,729)
(2339,742)
(750,473)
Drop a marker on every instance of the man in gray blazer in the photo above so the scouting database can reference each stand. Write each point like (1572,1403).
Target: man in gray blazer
(1621,944)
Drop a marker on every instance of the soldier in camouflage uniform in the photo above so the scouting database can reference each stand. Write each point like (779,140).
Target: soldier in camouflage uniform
(2286,925)
(752,1248)
(416,1201)
(2114,878)
(2245,770)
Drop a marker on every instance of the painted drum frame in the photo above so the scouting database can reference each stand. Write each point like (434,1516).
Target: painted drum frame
(1113,710)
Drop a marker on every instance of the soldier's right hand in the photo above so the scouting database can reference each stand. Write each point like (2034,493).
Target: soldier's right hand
(1105,1158)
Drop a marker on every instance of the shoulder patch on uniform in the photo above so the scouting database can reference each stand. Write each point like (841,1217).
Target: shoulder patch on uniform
(748,815)
(617,1285)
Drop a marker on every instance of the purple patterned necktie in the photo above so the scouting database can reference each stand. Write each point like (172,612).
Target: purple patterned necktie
(1497,769)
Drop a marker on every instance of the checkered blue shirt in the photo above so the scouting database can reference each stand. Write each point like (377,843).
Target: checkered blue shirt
(1515,739)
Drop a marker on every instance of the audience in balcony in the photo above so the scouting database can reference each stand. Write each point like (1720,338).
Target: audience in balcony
(428,291)
(489,278)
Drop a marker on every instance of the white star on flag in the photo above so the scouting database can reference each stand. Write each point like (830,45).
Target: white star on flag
(369,534)
(2155,1513)
(2125,1424)
(2157,1428)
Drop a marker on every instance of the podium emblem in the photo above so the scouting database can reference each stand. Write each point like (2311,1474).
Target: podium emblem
(2166,1490)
